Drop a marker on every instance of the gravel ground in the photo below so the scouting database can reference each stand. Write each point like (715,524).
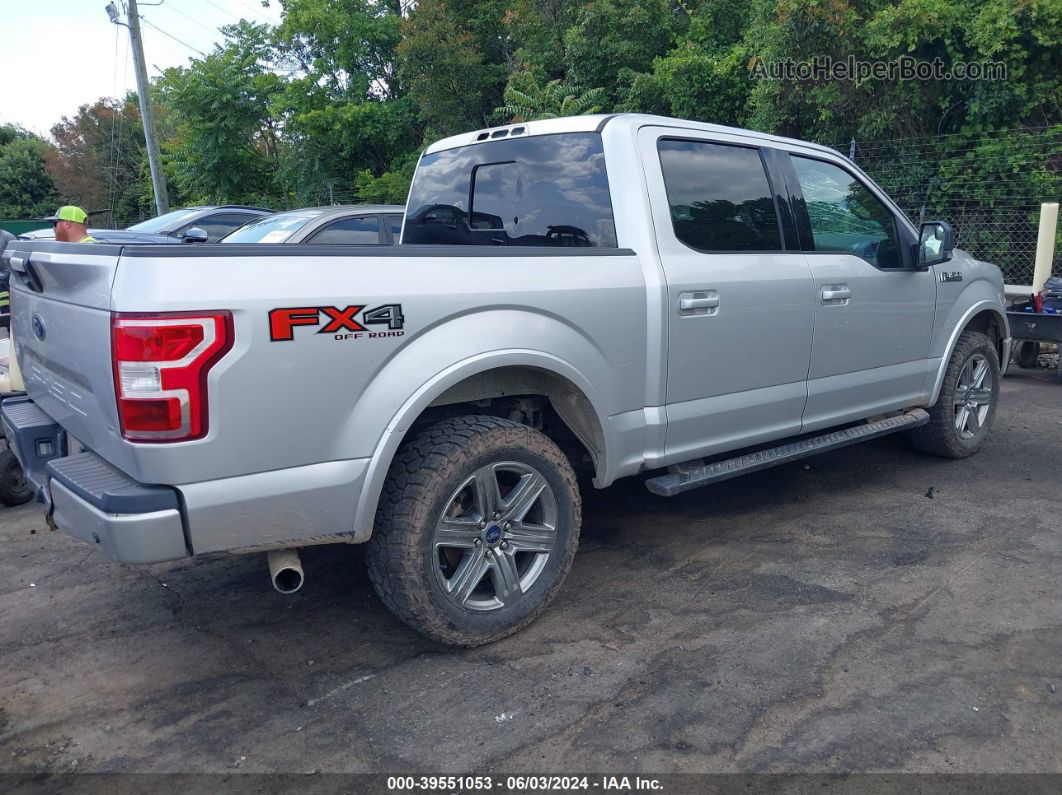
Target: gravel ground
(871,609)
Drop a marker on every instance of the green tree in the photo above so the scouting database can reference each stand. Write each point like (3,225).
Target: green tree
(99,160)
(614,40)
(26,189)
(525,99)
(453,61)
(225,146)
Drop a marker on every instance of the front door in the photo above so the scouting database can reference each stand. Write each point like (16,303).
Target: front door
(739,307)
(873,310)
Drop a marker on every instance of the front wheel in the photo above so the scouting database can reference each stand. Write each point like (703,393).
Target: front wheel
(960,419)
(476,529)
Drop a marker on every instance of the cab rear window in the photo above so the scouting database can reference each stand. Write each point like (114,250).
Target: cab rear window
(548,190)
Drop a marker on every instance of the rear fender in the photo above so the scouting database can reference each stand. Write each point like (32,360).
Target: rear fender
(411,381)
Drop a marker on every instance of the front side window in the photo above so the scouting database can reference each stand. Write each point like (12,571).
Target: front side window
(845,215)
(217,226)
(358,231)
(548,190)
(719,196)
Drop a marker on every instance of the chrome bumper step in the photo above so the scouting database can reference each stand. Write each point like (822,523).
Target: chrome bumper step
(694,474)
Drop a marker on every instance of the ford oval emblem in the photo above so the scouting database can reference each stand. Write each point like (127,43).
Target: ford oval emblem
(38,327)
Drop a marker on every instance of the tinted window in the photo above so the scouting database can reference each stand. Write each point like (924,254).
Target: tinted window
(161,223)
(548,190)
(845,215)
(350,231)
(719,197)
(396,226)
(217,226)
(272,228)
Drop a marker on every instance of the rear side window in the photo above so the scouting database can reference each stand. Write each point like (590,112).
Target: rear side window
(549,190)
(845,216)
(395,222)
(719,196)
(362,231)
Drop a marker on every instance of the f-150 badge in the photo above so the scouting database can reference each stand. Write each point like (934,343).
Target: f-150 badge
(951,276)
(342,323)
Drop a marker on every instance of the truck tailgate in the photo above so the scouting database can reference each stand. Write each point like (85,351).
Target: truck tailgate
(61,324)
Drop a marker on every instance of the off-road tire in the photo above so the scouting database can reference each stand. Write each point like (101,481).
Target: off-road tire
(939,436)
(1028,354)
(14,488)
(426,471)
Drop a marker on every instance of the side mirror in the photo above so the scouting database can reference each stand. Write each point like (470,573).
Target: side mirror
(936,241)
(195,235)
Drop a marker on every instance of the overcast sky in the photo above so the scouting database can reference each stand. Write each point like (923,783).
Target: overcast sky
(58,54)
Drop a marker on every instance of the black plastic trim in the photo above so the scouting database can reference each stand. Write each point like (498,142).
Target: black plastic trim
(606,120)
(108,488)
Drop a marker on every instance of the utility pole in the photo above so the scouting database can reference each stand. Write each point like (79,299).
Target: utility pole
(147,113)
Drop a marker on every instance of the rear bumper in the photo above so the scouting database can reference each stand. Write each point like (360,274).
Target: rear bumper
(90,499)
(134,522)
(127,537)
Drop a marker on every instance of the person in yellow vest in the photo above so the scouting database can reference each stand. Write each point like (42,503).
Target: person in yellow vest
(69,225)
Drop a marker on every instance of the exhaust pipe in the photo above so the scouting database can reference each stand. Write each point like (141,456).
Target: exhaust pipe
(285,570)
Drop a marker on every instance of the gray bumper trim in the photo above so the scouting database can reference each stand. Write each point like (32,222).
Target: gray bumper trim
(128,538)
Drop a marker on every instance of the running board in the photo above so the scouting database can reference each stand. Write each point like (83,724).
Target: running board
(684,477)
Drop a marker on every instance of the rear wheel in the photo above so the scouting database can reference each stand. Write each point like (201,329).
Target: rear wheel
(14,488)
(476,529)
(960,419)
(1029,354)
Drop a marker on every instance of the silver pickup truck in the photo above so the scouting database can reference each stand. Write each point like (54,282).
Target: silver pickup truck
(617,294)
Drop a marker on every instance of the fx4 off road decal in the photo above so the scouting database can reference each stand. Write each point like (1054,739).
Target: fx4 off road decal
(343,324)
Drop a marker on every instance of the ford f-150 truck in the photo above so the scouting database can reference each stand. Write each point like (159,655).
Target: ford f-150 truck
(620,294)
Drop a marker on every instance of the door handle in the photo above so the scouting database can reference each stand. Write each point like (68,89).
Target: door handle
(700,302)
(836,292)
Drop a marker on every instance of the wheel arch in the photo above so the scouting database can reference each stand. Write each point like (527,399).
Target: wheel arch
(985,316)
(482,377)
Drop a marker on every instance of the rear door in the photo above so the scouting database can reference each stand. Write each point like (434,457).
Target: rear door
(873,310)
(739,293)
(61,324)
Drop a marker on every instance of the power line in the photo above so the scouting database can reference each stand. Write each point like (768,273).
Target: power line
(191,19)
(254,11)
(224,11)
(171,36)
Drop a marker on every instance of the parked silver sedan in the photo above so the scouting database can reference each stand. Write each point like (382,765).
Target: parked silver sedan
(350,224)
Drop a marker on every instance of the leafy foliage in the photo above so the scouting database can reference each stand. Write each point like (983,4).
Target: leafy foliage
(525,99)
(339,98)
(26,189)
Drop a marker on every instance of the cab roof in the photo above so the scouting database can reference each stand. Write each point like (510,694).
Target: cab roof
(597,122)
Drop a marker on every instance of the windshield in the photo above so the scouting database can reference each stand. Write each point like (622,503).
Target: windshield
(156,226)
(271,229)
(547,190)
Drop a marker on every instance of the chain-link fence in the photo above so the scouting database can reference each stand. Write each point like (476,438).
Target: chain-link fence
(989,186)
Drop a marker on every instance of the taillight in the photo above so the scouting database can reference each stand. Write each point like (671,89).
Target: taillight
(161,363)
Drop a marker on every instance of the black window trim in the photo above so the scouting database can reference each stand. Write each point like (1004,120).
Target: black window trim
(333,221)
(392,238)
(785,248)
(803,218)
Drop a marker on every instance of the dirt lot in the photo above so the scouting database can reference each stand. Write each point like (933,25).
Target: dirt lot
(873,609)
